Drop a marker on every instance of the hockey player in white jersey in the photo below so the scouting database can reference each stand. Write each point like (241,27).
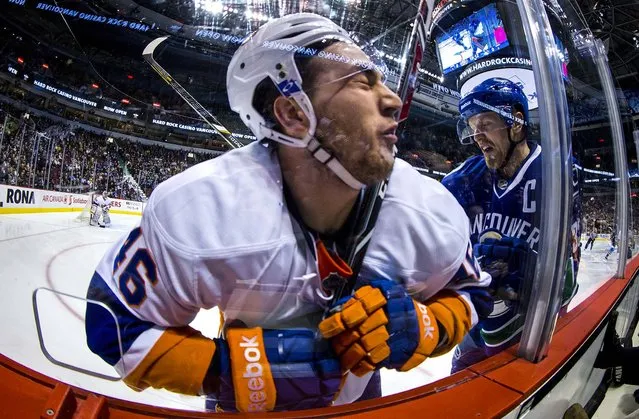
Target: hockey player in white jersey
(260,233)
(106,208)
(95,211)
(100,210)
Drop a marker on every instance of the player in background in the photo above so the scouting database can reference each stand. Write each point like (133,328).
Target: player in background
(256,232)
(100,208)
(572,266)
(95,211)
(500,192)
(106,207)
(613,243)
(592,236)
(478,35)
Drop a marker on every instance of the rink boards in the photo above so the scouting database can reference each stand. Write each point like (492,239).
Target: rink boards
(51,251)
(18,200)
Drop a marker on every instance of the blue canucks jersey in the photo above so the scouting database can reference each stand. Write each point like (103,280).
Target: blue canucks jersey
(512,208)
(509,206)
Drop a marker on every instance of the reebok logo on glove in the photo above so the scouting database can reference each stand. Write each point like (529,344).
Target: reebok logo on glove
(428,329)
(253,372)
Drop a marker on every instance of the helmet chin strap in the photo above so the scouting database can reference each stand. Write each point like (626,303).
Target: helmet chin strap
(330,161)
(511,150)
(326,157)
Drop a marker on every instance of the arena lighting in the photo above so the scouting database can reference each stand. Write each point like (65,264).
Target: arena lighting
(125,101)
(212,6)
(215,7)
(255,15)
(20,60)
(424,71)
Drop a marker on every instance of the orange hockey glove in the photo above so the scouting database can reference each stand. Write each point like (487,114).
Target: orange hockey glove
(382,326)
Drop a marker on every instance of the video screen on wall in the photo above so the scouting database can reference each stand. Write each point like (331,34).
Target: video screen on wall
(472,38)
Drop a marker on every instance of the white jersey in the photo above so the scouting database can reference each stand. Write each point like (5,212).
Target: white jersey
(102,202)
(220,234)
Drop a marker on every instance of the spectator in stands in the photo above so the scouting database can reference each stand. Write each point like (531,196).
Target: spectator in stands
(83,159)
(4,172)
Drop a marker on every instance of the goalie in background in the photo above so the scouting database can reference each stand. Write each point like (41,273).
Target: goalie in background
(261,230)
(100,208)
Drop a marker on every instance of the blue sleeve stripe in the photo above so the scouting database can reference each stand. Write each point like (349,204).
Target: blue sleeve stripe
(102,334)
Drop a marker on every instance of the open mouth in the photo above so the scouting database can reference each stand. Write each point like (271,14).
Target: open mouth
(391,138)
(389,134)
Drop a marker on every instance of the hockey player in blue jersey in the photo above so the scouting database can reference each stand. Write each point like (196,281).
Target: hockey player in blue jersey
(500,192)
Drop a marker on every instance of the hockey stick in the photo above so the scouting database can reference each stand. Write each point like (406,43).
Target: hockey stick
(415,53)
(370,204)
(147,54)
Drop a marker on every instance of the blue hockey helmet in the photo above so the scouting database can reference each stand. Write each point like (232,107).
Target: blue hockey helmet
(497,95)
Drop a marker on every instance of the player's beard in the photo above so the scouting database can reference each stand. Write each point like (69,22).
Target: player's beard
(368,158)
(493,162)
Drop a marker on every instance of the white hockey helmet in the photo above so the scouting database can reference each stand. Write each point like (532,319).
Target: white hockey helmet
(270,53)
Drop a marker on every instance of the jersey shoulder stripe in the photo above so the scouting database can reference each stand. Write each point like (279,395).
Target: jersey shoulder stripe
(102,333)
